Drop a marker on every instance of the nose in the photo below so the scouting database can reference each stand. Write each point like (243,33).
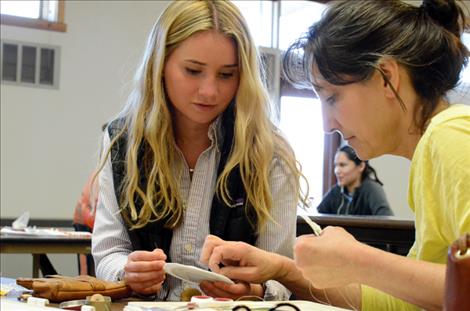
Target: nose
(208,88)
(337,169)
(330,124)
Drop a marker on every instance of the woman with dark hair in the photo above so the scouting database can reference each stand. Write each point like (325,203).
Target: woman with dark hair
(382,70)
(358,190)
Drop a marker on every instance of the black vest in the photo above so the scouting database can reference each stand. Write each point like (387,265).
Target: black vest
(231,223)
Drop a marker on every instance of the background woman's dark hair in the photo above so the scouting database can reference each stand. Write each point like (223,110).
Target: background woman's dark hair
(368,170)
(347,43)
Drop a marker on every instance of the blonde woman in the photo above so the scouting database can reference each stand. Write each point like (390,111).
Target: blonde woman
(193,153)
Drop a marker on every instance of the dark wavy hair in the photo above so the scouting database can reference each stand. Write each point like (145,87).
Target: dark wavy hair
(368,170)
(348,42)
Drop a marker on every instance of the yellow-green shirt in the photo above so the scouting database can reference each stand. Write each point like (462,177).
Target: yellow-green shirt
(438,193)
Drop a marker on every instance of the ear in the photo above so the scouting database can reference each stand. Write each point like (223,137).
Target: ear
(362,166)
(391,69)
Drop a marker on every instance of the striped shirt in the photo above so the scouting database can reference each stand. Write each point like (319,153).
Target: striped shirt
(111,244)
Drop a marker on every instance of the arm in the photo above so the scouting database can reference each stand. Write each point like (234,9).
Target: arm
(330,202)
(245,262)
(341,260)
(277,236)
(112,250)
(110,243)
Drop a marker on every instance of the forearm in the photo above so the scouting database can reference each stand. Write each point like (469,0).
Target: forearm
(111,268)
(292,279)
(417,282)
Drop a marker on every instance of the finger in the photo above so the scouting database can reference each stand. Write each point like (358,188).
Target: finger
(210,242)
(211,290)
(226,253)
(160,253)
(306,237)
(237,289)
(247,274)
(153,277)
(144,266)
(146,256)
(147,290)
(143,285)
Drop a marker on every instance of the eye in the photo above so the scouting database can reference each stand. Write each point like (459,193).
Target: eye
(193,72)
(331,100)
(226,75)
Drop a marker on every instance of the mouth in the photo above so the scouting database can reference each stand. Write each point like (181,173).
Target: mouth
(204,107)
(349,138)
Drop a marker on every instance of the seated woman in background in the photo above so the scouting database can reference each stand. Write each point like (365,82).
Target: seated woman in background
(356,193)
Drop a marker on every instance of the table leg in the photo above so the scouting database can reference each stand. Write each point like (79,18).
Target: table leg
(36,265)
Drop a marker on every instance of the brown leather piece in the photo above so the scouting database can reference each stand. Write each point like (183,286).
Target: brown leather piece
(457,290)
(59,288)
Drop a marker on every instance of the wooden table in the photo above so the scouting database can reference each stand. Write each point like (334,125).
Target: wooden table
(386,232)
(38,245)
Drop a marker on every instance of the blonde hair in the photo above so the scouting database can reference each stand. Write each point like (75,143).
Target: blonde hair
(148,120)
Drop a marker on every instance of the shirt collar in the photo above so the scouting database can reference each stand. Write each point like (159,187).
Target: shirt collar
(216,133)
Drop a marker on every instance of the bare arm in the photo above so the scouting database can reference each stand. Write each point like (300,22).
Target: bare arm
(415,281)
(245,262)
(341,260)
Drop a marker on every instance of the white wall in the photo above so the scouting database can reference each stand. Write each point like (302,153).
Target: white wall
(50,138)
(393,172)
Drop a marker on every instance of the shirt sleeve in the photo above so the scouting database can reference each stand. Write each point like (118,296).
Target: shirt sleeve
(373,299)
(110,242)
(278,236)
(327,205)
(449,150)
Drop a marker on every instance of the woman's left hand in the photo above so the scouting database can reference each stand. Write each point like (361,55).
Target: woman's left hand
(234,291)
(329,260)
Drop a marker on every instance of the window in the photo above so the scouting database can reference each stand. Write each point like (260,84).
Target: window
(297,112)
(29,64)
(301,123)
(461,94)
(40,14)
(260,18)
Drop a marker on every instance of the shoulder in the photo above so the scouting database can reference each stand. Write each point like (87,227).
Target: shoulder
(115,127)
(334,191)
(448,135)
(370,184)
(454,120)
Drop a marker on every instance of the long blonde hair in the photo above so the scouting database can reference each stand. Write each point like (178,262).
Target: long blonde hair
(148,120)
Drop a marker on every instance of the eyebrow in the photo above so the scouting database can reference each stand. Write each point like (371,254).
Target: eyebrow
(317,87)
(204,64)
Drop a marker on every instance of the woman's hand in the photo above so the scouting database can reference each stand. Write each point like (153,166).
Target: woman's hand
(144,272)
(241,261)
(234,291)
(328,260)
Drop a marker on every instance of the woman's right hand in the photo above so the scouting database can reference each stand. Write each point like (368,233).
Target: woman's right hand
(144,272)
(241,261)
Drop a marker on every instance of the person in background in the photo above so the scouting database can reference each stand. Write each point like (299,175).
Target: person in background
(194,152)
(358,191)
(382,70)
(84,218)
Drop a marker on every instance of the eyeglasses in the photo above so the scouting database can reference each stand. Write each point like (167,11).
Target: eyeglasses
(283,306)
